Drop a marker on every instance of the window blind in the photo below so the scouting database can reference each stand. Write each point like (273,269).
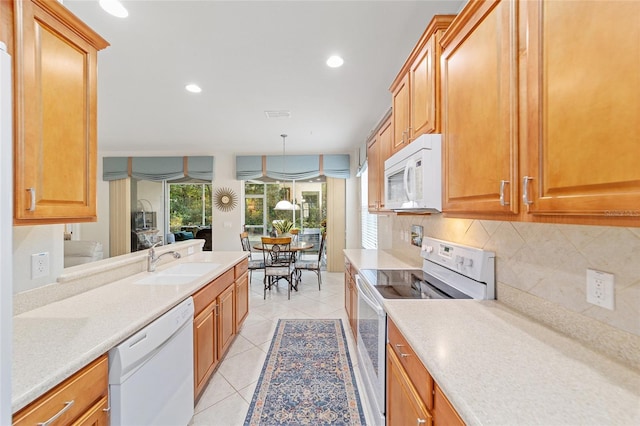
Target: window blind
(368,222)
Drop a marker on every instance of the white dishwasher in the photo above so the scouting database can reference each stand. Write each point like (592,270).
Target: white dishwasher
(151,373)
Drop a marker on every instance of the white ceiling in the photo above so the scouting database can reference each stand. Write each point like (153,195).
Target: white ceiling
(249,57)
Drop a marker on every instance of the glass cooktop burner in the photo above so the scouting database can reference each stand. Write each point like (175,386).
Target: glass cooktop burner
(409,284)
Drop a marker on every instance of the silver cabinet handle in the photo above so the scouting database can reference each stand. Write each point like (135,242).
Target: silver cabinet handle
(421,422)
(398,345)
(404,355)
(106,410)
(32,203)
(502,185)
(525,190)
(67,405)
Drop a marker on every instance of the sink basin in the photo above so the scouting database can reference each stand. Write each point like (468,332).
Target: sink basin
(179,274)
(192,268)
(161,279)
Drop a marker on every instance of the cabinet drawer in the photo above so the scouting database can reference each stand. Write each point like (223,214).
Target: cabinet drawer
(83,389)
(411,363)
(241,268)
(207,294)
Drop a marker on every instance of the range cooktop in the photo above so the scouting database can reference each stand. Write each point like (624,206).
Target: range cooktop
(409,284)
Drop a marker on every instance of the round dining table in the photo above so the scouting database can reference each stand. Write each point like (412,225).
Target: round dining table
(295,246)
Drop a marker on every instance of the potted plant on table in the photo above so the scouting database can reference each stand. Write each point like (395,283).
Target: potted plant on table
(283,226)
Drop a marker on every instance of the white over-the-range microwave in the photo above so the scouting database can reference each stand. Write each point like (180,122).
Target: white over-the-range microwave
(413,176)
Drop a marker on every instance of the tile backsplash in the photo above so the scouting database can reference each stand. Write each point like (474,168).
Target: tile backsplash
(541,271)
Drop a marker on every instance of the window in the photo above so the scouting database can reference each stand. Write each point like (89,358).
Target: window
(189,206)
(260,199)
(368,222)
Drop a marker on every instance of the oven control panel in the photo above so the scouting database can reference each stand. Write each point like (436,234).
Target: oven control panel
(475,263)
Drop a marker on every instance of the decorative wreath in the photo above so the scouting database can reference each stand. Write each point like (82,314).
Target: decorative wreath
(225,199)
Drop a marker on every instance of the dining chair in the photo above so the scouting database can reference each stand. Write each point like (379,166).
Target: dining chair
(254,264)
(278,263)
(311,265)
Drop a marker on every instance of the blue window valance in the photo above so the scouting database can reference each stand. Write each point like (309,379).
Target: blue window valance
(294,167)
(159,168)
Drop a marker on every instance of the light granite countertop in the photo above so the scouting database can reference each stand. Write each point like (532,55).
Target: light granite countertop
(54,341)
(498,367)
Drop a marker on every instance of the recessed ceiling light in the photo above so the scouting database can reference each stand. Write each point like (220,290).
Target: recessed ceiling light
(114,7)
(335,61)
(193,88)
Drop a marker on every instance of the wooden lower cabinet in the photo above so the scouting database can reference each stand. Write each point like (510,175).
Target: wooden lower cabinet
(350,296)
(98,415)
(82,399)
(404,405)
(220,308)
(226,319)
(443,411)
(242,300)
(413,397)
(205,348)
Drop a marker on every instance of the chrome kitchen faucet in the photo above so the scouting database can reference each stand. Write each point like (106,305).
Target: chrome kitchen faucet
(152,260)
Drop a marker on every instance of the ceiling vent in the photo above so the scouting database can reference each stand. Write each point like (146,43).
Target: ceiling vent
(283,113)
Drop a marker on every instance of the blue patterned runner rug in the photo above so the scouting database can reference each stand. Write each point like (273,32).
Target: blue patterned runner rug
(307,378)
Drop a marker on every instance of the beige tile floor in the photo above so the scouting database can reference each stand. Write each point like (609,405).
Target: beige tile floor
(226,399)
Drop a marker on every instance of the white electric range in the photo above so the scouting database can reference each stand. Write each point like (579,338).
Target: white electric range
(450,271)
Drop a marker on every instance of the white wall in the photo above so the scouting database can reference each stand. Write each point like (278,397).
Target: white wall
(28,240)
(227,226)
(353,237)
(98,231)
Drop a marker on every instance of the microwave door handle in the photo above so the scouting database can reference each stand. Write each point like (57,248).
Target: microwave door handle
(410,168)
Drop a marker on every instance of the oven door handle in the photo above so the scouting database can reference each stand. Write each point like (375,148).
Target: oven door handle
(362,292)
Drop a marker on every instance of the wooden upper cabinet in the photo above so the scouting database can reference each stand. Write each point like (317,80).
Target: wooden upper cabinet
(480,109)
(582,108)
(55,114)
(415,92)
(401,114)
(378,150)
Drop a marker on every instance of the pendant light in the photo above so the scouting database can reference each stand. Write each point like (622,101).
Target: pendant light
(283,204)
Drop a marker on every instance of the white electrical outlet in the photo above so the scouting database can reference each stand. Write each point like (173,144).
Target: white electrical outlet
(600,288)
(39,265)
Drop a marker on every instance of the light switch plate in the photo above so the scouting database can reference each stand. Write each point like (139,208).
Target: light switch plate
(600,291)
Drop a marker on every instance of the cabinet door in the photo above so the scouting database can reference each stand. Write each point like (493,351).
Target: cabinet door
(401,115)
(55,134)
(225,319)
(480,109)
(443,411)
(353,320)
(422,80)
(242,300)
(404,406)
(583,131)
(204,346)
(375,175)
(347,292)
(98,415)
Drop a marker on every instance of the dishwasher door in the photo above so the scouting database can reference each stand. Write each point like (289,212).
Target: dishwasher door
(151,373)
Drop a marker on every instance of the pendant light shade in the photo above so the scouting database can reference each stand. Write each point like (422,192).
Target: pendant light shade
(284,205)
